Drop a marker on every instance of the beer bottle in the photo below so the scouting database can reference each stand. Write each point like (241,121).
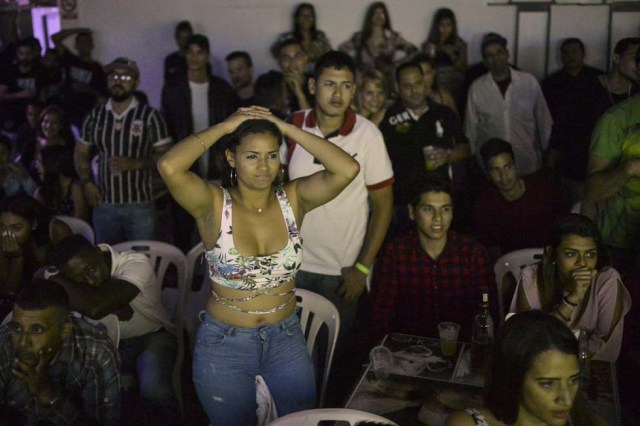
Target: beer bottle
(482,337)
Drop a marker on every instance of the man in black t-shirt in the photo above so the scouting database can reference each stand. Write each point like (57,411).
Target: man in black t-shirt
(420,135)
(20,83)
(175,64)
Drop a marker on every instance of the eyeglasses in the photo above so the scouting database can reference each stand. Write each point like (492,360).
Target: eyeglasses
(120,77)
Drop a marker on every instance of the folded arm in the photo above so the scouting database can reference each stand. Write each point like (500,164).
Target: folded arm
(97,302)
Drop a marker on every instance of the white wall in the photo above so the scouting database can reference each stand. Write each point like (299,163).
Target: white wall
(143,29)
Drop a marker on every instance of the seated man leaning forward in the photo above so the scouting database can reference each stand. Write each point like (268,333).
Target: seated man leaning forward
(55,368)
(101,281)
(431,274)
(518,211)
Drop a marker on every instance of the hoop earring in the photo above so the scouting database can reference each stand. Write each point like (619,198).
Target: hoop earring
(233,178)
(280,178)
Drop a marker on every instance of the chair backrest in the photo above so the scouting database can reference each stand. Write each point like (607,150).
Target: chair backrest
(197,300)
(79,226)
(109,324)
(174,300)
(112,326)
(316,310)
(7,318)
(313,417)
(577,207)
(512,262)
(162,255)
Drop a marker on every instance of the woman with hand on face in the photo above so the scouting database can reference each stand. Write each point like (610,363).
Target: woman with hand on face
(27,235)
(574,283)
(371,97)
(533,377)
(249,229)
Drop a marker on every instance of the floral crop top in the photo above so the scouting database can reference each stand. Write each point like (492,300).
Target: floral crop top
(229,268)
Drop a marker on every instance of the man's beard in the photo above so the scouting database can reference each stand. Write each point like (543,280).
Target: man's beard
(26,63)
(121,96)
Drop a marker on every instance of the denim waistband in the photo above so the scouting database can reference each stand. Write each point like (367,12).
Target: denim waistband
(290,322)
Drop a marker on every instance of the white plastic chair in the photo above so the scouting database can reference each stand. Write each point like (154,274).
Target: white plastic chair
(79,226)
(316,310)
(513,262)
(577,207)
(109,324)
(7,318)
(196,301)
(313,417)
(162,255)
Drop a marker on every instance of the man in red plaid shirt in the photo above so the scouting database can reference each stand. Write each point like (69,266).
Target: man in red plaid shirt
(430,274)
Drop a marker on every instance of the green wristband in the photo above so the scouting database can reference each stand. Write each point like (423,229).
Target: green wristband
(360,267)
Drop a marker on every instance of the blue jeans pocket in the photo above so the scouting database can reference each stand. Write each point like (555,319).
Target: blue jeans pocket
(210,336)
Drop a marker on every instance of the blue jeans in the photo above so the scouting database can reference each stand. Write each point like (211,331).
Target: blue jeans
(227,359)
(115,223)
(151,358)
(327,286)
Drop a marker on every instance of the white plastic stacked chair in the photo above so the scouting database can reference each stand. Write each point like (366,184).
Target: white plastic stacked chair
(316,310)
(162,255)
(197,300)
(78,226)
(513,262)
(314,417)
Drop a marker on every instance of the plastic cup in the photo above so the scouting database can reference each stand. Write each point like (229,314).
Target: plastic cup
(448,332)
(428,152)
(381,361)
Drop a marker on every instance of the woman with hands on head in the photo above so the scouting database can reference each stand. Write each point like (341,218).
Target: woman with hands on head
(250,233)
(575,283)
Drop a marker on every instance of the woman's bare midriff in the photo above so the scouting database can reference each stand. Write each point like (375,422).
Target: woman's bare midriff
(235,318)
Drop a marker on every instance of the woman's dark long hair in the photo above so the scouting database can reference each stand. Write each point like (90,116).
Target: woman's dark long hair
(57,161)
(520,340)
(296,29)
(367,26)
(548,280)
(434,33)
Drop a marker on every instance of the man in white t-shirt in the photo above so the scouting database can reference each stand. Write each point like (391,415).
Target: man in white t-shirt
(101,281)
(342,237)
